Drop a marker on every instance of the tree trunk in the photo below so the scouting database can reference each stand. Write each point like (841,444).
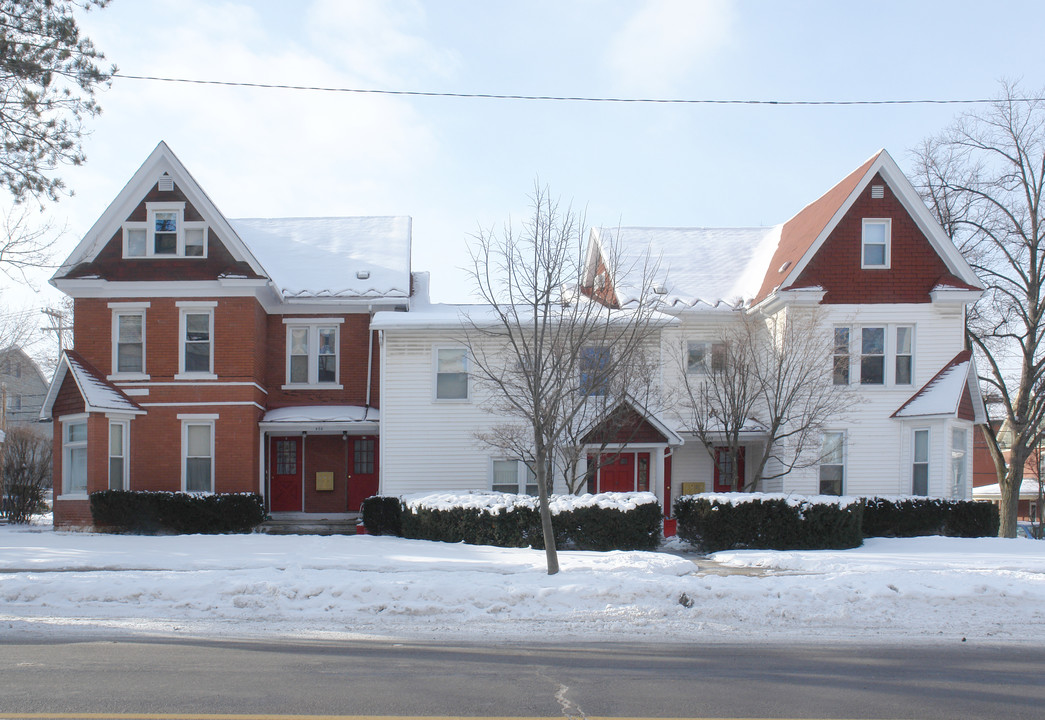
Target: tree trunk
(1009,505)
(543,476)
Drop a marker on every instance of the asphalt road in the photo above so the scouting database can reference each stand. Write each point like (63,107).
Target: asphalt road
(182,677)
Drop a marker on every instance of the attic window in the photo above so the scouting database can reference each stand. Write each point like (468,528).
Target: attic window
(165,233)
(878,192)
(166,183)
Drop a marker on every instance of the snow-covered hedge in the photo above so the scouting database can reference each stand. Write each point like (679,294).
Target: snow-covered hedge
(724,521)
(911,516)
(176,512)
(607,521)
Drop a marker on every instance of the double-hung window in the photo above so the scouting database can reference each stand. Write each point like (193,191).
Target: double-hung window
(128,340)
(513,476)
(704,358)
(118,454)
(840,356)
(832,463)
(874,247)
(904,355)
(74,455)
(959,446)
(594,369)
(165,234)
(451,374)
(196,339)
(197,452)
(920,463)
(313,353)
(872,356)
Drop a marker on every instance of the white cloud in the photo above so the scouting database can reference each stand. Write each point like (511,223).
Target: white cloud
(667,40)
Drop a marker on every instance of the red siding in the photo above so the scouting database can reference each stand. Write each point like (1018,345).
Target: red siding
(914,270)
(624,425)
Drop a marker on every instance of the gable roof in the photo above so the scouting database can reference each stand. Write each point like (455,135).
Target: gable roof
(943,394)
(304,257)
(803,235)
(99,395)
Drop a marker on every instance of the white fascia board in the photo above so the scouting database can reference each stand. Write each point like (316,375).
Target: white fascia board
(98,288)
(979,407)
(954,296)
(52,389)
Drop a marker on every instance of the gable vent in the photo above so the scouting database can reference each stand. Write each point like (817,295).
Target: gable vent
(166,183)
(878,192)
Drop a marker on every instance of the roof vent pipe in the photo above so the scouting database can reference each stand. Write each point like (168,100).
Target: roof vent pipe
(362,274)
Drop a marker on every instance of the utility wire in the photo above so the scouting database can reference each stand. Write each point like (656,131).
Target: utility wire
(563,98)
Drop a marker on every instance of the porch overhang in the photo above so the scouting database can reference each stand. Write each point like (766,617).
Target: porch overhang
(322,419)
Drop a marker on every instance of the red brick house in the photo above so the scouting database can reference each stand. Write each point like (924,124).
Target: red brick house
(223,356)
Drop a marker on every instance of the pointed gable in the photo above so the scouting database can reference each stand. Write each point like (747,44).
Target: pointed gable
(952,392)
(822,245)
(74,376)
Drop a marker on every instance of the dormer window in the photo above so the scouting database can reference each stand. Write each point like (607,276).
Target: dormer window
(165,234)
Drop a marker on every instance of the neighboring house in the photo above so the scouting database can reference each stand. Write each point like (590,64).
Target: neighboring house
(893,291)
(985,478)
(222,356)
(25,387)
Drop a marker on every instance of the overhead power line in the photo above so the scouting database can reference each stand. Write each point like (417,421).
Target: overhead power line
(565,98)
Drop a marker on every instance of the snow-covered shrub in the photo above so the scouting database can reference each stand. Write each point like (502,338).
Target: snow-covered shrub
(607,521)
(917,516)
(725,521)
(176,512)
(382,515)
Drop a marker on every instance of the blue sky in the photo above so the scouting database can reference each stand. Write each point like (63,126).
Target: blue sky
(458,164)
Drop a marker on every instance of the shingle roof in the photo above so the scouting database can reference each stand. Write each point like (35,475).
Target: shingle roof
(943,393)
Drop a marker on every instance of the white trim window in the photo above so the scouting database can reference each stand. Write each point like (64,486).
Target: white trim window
(197,453)
(875,243)
(512,476)
(959,466)
(74,456)
(196,340)
(313,352)
(704,357)
(920,462)
(904,351)
(118,465)
(451,373)
(165,234)
(128,341)
(832,463)
(872,356)
(840,356)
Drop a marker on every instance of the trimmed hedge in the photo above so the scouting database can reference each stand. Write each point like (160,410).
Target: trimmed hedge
(767,523)
(914,517)
(383,515)
(175,512)
(585,528)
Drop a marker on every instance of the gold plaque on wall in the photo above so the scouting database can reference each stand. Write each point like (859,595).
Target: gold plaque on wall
(324,481)
(692,488)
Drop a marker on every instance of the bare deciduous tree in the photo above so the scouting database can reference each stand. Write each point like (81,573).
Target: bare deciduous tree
(984,179)
(544,353)
(770,378)
(26,473)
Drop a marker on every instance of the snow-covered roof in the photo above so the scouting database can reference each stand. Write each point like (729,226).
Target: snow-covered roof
(332,257)
(943,393)
(710,267)
(457,317)
(322,418)
(99,395)
(1028,490)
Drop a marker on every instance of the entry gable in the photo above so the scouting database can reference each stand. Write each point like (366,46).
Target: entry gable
(627,423)
(870,239)
(161,226)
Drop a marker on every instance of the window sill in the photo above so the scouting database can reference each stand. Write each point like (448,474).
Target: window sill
(317,386)
(127,376)
(71,496)
(451,401)
(195,376)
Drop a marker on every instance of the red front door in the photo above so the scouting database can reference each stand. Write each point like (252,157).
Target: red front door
(625,472)
(285,474)
(723,467)
(362,470)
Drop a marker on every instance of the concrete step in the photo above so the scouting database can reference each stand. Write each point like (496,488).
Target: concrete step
(303,524)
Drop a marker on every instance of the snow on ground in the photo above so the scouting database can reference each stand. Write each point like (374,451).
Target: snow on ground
(68,583)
